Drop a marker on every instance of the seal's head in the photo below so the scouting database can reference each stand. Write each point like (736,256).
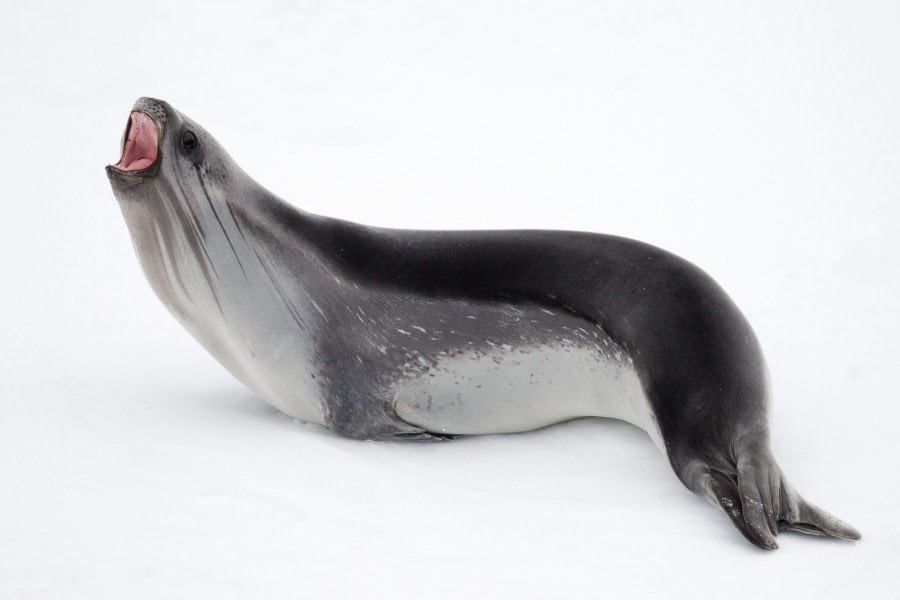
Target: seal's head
(159,142)
(175,184)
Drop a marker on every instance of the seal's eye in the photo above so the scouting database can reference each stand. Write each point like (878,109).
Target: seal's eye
(188,141)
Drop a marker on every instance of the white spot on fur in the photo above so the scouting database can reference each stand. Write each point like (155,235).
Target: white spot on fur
(318,308)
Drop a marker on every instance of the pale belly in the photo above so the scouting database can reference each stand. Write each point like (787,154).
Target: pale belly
(506,389)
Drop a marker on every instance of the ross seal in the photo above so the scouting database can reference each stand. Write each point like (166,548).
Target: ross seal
(395,334)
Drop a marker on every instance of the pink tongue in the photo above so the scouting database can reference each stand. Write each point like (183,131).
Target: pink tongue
(140,147)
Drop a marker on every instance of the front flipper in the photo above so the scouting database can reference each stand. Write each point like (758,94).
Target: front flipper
(370,418)
(760,502)
(423,436)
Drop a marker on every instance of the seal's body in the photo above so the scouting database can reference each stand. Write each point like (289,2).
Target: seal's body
(393,334)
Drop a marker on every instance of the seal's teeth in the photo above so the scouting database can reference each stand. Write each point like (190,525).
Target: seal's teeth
(140,149)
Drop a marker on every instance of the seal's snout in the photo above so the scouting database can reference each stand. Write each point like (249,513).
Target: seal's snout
(141,143)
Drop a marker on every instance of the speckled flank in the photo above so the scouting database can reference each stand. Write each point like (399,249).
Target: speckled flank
(543,370)
(394,360)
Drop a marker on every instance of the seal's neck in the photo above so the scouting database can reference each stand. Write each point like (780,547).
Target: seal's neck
(231,263)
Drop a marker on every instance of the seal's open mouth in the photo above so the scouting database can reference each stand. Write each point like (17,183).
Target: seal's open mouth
(141,141)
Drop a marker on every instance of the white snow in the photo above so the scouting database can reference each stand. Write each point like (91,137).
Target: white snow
(759,140)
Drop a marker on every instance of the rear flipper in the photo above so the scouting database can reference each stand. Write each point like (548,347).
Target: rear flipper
(759,500)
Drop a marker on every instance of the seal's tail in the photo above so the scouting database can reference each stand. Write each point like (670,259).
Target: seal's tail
(761,502)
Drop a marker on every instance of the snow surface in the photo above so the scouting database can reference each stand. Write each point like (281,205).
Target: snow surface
(759,140)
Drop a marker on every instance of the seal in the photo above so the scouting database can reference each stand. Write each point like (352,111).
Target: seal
(396,334)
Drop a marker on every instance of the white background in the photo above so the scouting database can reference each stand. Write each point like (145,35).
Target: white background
(759,140)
